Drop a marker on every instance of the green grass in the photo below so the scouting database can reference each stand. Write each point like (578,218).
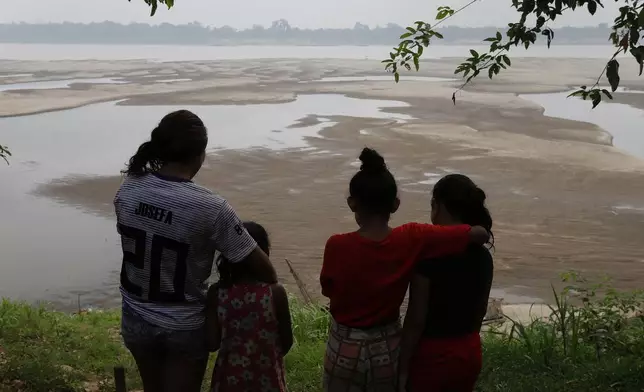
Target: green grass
(593,347)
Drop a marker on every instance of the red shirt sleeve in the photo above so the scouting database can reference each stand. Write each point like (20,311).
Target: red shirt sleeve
(440,241)
(328,263)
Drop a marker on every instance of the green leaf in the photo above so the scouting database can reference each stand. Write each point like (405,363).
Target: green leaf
(499,37)
(406,35)
(490,39)
(640,17)
(474,53)
(607,93)
(442,14)
(169,3)
(592,8)
(438,35)
(638,53)
(575,93)
(154,7)
(612,73)
(416,64)
(392,55)
(490,72)
(634,35)
(396,77)
(507,60)
(598,98)
(420,50)
(411,30)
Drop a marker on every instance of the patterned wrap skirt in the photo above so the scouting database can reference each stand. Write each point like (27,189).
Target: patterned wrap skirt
(362,360)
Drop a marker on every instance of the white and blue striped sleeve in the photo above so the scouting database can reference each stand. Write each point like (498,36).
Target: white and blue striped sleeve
(231,238)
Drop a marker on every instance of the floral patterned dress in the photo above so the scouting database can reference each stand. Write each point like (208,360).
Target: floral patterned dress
(250,358)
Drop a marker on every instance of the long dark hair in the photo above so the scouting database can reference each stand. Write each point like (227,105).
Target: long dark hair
(180,137)
(464,200)
(374,187)
(232,272)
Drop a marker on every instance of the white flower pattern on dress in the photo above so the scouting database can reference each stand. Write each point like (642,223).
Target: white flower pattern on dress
(247,376)
(251,347)
(237,303)
(266,301)
(250,298)
(232,380)
(249,359)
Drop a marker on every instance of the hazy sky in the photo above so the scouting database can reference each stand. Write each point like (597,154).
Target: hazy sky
(301,13)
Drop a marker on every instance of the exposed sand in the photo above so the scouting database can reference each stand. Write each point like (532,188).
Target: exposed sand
(553,185)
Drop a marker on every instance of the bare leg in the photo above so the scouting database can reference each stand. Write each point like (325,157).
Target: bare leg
(151,369)
(183,374)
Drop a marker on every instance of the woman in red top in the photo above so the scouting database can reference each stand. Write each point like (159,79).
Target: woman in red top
(365,275)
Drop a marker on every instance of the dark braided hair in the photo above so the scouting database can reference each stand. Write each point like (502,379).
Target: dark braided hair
(180,137)
(464,200)
(374,187)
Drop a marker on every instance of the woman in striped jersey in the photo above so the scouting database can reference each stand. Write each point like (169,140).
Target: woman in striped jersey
(170,230)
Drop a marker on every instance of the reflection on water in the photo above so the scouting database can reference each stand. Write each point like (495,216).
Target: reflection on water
(52,84)
(622,121)
(51,251)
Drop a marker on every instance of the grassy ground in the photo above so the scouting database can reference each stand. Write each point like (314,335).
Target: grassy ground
(589,348)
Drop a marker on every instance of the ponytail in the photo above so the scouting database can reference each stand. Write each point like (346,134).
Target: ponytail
(145,161)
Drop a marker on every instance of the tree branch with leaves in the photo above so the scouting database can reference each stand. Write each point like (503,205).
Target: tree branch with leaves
(154,4)
(625,36)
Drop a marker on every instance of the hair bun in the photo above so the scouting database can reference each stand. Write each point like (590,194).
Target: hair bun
(372,161)
(479,195)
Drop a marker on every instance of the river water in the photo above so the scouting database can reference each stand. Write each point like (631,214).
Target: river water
(54,252)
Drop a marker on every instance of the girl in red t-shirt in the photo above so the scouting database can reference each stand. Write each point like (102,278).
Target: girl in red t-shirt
(365,275)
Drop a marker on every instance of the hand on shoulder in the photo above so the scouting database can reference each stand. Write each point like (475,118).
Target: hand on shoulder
(479,235)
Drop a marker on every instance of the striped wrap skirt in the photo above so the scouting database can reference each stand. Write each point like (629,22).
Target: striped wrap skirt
(362,360)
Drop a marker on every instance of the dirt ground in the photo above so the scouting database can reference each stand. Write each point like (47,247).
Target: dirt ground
(556,189)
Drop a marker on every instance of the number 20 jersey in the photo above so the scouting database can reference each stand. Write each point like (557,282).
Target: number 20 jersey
(170,231)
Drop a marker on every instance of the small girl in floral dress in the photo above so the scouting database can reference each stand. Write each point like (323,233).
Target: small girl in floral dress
(249,324)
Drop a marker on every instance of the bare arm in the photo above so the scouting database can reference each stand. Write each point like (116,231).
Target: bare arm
(326,275)
(261,265)
(213,329)
(283,315)
(413,326)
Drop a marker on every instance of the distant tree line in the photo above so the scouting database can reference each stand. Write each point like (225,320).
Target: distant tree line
(280,32)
